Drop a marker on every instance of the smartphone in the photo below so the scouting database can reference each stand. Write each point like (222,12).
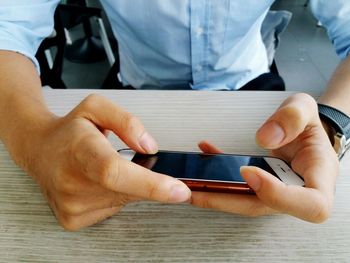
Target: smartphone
(212,172)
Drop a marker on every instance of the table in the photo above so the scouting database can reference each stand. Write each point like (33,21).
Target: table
(153,232)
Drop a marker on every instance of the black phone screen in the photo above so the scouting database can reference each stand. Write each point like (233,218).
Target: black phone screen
(197,166)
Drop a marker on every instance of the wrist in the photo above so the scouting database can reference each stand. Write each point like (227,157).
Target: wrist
(23,136)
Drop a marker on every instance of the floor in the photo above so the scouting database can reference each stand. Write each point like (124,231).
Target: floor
(305,58)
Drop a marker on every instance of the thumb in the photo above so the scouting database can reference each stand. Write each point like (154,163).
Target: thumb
(107,115)
(288,122)
(305,203)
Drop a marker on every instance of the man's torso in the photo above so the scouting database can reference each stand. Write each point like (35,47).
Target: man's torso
(207,44)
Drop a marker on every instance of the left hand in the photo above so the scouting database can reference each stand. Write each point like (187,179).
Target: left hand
(293,133)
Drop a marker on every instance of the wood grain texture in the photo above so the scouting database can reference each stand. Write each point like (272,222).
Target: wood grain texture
(152,232)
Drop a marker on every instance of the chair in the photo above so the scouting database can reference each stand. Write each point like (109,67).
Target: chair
(66,17)
(51,72)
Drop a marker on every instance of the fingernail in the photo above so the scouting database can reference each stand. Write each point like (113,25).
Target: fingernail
(253,180)
(147,143)
(270,134)
(179,193)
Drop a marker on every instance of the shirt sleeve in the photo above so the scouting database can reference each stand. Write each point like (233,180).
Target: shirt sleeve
(24,25)
(335,17)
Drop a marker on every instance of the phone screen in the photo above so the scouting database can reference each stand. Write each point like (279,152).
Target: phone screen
(219,167)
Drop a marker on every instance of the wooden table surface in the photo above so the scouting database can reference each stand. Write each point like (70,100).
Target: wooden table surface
(153,232)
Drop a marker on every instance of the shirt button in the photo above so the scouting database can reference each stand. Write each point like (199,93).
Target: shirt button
(199,68)
(199,31)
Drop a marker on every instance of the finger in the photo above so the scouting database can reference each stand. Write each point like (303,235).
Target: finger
(247,205)
(103,165)
(74,223)
(132,179)
(105,132)
(305,203)
(107,115)
(319,168)
(290,120)
(207,147)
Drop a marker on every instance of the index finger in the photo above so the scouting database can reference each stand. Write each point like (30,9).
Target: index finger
(107,115)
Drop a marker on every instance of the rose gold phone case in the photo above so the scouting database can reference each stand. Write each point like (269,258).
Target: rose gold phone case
(219,187)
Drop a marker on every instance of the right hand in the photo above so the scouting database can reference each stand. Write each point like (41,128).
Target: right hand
(83,178)
(295,134)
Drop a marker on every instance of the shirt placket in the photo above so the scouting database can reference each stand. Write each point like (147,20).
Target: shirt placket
(199,28)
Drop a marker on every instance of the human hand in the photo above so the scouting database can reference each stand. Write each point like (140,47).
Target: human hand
(294,133)
(82,176)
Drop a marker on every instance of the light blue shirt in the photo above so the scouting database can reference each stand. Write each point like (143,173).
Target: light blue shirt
(207,44)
